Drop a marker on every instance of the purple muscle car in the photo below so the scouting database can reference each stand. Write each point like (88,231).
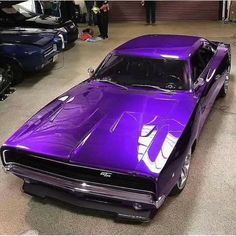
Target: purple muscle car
(122,140)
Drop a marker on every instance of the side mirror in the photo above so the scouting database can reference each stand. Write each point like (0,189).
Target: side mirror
(198,83)
(91,71)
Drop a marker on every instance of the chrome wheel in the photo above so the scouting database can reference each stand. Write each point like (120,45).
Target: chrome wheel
(12,72)
(226,84)
(184,171)
(9,74)
(224,89)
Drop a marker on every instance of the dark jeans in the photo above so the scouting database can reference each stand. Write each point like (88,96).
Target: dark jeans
(150,11)
(102,19)
(89,6)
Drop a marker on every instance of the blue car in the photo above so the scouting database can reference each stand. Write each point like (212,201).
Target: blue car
(27,50)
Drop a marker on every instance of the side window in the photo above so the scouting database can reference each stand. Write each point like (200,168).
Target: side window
(200,60)
(197,66)
(206,54)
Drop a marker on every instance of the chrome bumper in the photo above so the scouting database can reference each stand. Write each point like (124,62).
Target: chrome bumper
(126,203)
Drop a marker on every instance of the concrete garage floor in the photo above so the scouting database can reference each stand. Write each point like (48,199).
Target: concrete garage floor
(208,203)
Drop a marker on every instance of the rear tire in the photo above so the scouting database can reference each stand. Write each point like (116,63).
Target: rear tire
(224,89)
(13,71)
(179,186)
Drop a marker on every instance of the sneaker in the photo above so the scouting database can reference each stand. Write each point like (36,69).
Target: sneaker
(99,38)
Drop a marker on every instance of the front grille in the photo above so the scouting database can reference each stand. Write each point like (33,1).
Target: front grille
(77,172)
(48,51)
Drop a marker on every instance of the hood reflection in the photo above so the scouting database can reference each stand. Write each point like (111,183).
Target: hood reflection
(149,134)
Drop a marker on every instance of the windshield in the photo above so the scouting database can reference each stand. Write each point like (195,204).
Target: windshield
(169,74)
(16,12)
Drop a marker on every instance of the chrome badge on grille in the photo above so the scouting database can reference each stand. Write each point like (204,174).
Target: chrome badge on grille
(106,174)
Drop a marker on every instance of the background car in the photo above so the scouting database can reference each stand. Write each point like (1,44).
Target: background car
(27,50)
(13,15)
(122,141)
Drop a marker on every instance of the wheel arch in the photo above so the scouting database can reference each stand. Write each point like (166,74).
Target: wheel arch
(11,59)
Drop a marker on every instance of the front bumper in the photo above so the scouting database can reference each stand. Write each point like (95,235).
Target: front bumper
(124,203)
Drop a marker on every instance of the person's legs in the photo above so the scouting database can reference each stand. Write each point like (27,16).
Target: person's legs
(147,7)
(89,7)
(153,11)
(105,24)
(99,23)
(89,17)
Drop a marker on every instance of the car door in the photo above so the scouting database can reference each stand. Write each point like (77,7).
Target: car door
(203,77)
(217,73)
(210,67)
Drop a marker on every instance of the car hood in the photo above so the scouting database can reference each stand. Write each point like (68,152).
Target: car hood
(103,126)
(32,36)
(45,21)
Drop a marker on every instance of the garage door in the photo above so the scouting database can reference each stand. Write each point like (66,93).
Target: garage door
(165,10)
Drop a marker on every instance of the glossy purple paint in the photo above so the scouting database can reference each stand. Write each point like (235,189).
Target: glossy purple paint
(160,46)
(130,131)
(99,125)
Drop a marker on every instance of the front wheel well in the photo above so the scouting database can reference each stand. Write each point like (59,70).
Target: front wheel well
(11,60)
(13,70)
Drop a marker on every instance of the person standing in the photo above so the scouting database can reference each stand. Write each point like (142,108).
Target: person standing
(67,10)
(150,7)
(89,5)
(102,18)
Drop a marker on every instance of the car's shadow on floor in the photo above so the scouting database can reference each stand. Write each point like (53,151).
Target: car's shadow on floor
(70,46)
(173,217)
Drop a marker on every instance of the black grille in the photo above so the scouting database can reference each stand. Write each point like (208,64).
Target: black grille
(48,51)
(78,172)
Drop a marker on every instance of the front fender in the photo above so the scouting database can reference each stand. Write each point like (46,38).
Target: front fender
(172,169)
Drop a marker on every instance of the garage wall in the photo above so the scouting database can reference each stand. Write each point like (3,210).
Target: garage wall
(165,10)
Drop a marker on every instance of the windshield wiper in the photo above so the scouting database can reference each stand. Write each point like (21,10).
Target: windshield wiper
(111,82)
(153,86)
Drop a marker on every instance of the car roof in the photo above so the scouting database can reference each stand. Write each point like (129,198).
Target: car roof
(160,46)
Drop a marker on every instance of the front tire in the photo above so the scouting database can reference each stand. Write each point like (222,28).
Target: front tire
(13,71)
(179,186)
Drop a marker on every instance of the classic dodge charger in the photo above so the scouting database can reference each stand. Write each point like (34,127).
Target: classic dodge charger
(122,140)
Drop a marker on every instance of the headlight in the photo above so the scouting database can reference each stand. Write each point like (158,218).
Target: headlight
(63,29)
